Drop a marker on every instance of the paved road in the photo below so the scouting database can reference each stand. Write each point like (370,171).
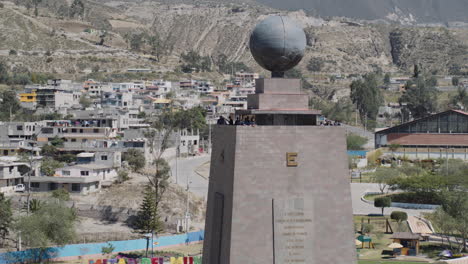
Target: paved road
(186,167)
(199,186)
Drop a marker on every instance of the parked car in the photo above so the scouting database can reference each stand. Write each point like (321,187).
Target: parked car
(20,188)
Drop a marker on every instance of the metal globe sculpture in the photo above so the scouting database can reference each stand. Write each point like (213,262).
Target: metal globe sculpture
(277,44)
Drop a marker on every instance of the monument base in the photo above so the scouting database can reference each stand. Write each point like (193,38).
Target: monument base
(279,194)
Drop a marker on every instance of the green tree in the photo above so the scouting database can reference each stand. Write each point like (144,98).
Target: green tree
(367,228)
(383,202)
(384,176)
(122,176)
(61,194)
(315,64)
(53,224)
(135,159)
(399,216)
(444,223)
(6,217)
(455,204)
(4,73)
(148,218)
(49,165)
(420,97)
(355,142)
(136,41)
(455,81)
(387,78)
(366,95)
(85,101)
(460,99)
(9,105)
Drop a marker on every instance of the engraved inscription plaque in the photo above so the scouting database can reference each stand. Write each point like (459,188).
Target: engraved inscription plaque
(293,231)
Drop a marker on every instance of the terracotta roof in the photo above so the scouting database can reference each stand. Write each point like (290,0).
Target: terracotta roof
(405,235)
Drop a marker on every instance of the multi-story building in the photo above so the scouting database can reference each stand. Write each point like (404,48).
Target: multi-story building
(81,178)
(74,133)
(11,174)
(95,89)
(188,84)
(117,99)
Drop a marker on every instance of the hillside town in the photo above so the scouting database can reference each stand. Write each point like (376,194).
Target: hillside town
(195,132)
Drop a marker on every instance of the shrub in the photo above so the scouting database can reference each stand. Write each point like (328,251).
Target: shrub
(12,52)
(399,216)
(122,176)
(367,228)
(61,194)
(135,159)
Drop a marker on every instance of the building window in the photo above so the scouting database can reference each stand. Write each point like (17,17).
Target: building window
(76,187)
(73,140)
(53,186)
(73,130)
(84,173)
(19,128)
(96,130)
(35,185)
(66,173)
(104,157)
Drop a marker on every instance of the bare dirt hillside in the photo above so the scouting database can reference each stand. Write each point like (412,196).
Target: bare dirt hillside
(210,29)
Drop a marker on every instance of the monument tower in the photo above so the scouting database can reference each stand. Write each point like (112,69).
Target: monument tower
(279,191)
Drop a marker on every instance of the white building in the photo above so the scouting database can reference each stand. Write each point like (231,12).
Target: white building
(83,178)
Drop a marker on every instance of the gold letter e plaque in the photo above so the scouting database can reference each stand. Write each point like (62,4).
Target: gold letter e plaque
(291,159)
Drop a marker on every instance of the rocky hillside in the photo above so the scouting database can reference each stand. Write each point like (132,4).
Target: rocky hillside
(402,11)
(56,43)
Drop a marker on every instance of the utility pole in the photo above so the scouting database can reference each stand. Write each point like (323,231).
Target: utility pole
(209,136)
(446,161)
(177,158)
(187,210)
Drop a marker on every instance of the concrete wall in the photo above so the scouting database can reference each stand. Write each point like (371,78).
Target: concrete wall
(77,250)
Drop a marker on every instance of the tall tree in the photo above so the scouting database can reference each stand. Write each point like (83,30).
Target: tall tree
(455,204)
(4,73)
(366,95)
(384,176)
(460,99)
(148,218)
(420,96)
(6,217)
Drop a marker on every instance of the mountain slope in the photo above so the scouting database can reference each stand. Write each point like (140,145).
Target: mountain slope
(423,11)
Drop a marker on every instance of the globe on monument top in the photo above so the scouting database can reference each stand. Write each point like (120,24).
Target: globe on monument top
(277,44)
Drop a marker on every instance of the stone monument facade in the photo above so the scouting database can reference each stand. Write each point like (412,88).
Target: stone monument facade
(279,191)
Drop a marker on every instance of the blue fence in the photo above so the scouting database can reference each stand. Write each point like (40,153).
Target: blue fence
(359,153)
(90,249)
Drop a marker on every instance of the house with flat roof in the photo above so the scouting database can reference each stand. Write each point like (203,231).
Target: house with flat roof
(80,178)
